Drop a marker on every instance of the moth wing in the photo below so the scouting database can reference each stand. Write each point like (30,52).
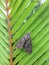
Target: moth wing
(20,43)
(28,46)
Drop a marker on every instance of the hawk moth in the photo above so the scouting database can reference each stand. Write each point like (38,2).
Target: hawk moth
(25,43)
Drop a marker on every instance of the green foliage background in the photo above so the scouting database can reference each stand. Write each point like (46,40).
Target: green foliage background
(26,16)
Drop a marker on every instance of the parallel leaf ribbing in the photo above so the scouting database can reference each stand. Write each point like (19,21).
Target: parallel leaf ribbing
(32,18)
(17,18)
(4,46)
(38,29)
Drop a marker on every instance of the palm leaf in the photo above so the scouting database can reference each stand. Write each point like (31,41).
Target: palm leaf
(4,46)
(25,16)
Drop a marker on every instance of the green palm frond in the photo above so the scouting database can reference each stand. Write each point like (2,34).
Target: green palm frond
(4,46)
(25,16)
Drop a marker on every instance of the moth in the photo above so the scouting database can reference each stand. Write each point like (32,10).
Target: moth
(25,43)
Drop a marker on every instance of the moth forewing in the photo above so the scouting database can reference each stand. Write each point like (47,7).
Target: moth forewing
(25,43)
(20,43)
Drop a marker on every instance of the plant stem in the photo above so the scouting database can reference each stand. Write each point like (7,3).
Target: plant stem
(9,33)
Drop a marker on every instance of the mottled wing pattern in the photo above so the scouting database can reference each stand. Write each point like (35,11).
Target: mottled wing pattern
(25,43)
(21,43)
(28,46)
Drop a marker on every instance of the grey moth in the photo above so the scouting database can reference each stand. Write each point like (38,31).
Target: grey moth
(25,43)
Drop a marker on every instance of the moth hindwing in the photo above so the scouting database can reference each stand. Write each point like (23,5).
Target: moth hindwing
(25,43)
